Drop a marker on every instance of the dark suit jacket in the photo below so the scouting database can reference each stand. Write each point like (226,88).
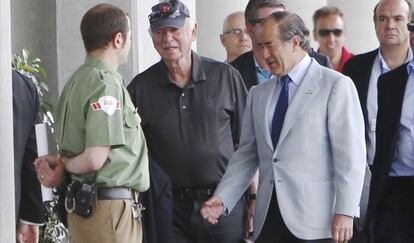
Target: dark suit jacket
(247,68)
(157,217)
(358,68)
(28,196)
(320,58)
(391,88)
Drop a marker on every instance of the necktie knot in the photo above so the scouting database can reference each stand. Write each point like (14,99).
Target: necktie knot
(285,80)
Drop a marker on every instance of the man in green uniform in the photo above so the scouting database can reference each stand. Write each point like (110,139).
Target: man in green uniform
(99,136)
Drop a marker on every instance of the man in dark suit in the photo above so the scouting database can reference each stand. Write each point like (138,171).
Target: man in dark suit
(251,65)
(28,198)
(391,203)
(390,19)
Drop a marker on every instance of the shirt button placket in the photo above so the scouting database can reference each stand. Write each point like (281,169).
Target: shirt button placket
(184,101)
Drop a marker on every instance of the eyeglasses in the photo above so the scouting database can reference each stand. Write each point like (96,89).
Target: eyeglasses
(326,32)
(410,26)
(235,32)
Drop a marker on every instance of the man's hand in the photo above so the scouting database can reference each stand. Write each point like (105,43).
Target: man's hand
(212,209)
(342,228)
(27,233)
(50,170)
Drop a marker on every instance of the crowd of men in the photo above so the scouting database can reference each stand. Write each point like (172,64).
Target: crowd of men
(279,143)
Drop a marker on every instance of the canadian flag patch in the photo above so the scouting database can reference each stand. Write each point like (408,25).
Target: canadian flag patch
(107,104)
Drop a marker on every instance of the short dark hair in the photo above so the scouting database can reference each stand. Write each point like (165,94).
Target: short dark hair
(409,9)
(250,13)
(290,24)
(326,11)
(100,24)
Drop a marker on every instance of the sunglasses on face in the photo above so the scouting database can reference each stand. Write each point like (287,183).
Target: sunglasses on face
(326,32)
(235,32)
(410,26)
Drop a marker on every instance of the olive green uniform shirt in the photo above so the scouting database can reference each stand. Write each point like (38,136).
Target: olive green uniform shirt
(95,109)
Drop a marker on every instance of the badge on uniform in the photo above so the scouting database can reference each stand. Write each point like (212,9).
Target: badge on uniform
(107,104)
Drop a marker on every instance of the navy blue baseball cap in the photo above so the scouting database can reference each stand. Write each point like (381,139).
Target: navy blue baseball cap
(168,14)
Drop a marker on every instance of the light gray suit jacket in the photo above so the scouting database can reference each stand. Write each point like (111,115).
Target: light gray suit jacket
(318,166)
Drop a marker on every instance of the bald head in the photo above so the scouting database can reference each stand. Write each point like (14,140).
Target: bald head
(233,19)
(390,19)
(234,37)
(403,4)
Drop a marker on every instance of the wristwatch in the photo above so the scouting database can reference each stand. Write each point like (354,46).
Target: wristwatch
(252,196)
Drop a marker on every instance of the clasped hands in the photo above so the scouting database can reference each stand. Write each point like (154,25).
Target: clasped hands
(50,170)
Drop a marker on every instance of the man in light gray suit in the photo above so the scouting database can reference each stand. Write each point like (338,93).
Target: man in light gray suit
(305,132)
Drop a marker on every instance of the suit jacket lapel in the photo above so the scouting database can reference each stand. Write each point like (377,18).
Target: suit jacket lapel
(307,89)
(264,102)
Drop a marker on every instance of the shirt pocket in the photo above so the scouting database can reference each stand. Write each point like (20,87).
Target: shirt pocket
(132,120)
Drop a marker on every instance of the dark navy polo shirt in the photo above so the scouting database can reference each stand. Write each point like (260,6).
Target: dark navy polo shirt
(191,131)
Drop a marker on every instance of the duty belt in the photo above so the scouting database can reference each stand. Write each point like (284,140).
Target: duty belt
(115,193)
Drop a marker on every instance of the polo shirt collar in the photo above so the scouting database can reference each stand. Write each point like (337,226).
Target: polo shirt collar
(197,71)
(99,64)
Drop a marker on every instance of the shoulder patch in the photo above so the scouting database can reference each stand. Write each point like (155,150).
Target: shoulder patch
(107,104)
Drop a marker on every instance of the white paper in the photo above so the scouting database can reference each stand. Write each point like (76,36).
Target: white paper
(43,149)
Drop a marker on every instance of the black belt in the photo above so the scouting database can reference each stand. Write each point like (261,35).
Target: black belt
(115,193)
(193,193)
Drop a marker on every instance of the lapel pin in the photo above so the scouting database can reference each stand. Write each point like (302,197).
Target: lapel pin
(309,92)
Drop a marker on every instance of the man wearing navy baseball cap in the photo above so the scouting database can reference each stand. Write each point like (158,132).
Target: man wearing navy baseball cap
(168,14)
(191,109)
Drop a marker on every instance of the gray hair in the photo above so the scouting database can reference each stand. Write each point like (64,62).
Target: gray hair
(290,24)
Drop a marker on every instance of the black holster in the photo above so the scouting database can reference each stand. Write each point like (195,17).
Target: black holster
(80,198)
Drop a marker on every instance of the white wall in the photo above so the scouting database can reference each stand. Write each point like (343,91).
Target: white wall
(70,49)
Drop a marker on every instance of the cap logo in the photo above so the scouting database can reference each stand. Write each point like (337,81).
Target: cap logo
(165,8)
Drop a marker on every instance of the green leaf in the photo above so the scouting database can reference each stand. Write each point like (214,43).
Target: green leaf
(28,68)
(44,86)
(42,71)
(47,105)
(50,117)
(36,61)
(25,54)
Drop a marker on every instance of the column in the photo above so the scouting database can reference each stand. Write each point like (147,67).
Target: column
(7,217)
